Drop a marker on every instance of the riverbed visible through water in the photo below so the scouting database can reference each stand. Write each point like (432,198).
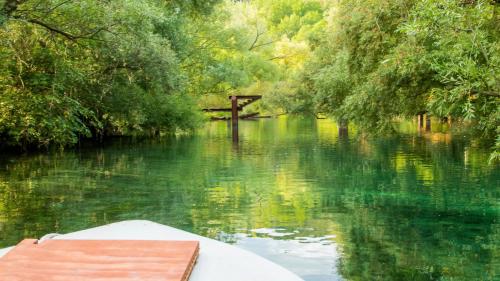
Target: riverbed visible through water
(419,206)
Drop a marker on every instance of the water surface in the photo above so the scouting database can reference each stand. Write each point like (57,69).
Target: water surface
(418,207)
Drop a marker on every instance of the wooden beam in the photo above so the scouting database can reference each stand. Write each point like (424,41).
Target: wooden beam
(221,109)
(249,100)
(249,115)
(234,117)
(224,118)
(247,97)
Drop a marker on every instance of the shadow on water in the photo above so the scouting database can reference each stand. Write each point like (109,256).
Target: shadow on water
(327,207)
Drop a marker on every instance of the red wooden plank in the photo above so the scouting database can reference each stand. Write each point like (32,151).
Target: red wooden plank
(85,260)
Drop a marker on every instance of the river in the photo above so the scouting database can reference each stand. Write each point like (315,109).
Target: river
(419,206)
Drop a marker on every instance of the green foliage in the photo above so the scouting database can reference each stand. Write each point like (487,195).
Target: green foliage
(384,59)
(73,69)
(231,50)
(461,46)
(90,68)
(296,28)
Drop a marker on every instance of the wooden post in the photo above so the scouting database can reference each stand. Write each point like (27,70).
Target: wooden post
(343,128)
(420,121)
(427,123)
(234,117)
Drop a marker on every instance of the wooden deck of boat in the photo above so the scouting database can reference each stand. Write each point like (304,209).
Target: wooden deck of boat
(118,260)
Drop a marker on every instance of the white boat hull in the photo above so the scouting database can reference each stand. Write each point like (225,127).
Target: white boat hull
(217,261)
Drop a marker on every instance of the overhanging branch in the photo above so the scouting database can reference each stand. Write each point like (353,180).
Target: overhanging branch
(67,35)
(53,29)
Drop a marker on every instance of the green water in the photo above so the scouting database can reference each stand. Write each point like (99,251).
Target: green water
(418,207)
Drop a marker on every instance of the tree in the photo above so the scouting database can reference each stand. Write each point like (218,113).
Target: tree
(380,60)
(73,69)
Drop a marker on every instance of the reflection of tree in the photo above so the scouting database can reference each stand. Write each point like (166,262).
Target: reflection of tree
(412,212)
(401,209)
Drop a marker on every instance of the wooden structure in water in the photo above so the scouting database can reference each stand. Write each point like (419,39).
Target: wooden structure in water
(238,102)
(247,116)
(421,121)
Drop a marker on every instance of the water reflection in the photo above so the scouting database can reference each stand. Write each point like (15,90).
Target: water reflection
(313,258)
(329,208)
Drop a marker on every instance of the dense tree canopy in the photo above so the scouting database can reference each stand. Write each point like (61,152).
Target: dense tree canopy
(384,59)
(75,69)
